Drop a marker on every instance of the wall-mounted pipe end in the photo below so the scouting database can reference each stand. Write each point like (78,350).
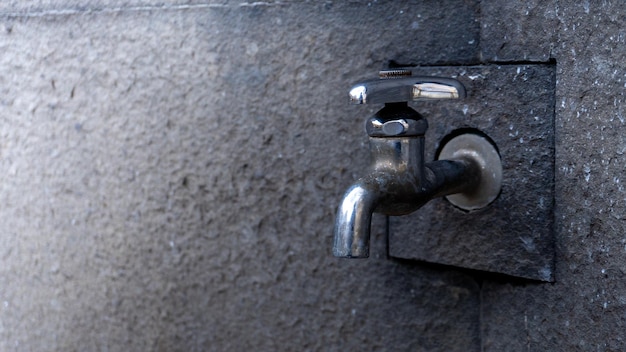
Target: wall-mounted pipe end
(481,151)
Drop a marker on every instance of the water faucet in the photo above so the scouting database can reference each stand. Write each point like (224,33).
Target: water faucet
(399,181)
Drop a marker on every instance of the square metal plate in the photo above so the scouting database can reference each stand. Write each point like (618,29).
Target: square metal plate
(514,105)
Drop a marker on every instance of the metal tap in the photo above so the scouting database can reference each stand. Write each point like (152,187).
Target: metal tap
(399,181)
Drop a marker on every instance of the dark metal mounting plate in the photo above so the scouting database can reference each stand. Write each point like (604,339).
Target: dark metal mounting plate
(514,105)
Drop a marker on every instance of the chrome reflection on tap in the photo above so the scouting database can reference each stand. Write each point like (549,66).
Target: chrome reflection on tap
(358,95)
(429,90)
(354,217)
(404,89)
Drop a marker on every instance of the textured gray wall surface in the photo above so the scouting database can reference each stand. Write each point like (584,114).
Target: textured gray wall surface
(585,310)
(171,169)
(170,176)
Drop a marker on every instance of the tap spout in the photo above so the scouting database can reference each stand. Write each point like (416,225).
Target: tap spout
(393,193)
(354,217)
(382,191)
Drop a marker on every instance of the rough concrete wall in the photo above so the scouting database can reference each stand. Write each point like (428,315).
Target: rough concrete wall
(585,309)
(170,174)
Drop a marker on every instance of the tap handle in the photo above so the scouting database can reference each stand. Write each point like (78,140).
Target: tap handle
(400,86)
